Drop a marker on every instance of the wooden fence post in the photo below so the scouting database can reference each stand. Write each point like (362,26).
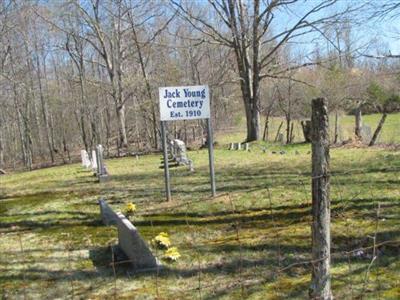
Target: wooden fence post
(321,236)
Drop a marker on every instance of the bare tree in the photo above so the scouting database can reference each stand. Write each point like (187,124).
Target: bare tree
(247,28)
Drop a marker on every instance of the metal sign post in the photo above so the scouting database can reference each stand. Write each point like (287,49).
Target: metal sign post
(166,166)
(185,103)
(210,142)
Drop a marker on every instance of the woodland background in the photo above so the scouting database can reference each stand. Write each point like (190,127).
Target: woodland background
(74,74)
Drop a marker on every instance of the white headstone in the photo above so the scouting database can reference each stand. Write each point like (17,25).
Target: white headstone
(85,159)
(180,151)
(94,161)
(181,154)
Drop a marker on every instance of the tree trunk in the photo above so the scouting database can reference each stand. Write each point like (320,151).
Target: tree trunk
(253,125)
(1,147)
(288,122)
(358,117)
(336,127)
(278,131)
(121,124)
(44,107)
(321,240)
(306,125)
(185,131)
(266,128)
(291,133)
(378,129)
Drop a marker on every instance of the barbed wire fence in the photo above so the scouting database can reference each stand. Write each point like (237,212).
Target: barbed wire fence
(269,273)
(366,249)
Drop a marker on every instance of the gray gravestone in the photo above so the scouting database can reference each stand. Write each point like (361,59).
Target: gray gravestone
(129,240)
(108,216)
(280,138)
(238,146)
(366,133)
(132,244)
(102,173)
(247,147)
(232,146)
(181,154)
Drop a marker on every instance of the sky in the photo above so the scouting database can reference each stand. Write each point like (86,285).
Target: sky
(373,35)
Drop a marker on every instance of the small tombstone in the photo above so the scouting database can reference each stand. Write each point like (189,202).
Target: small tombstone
(94,161)
(191,168)
(232,146)
(102,173)
(282,152)
(280,138)
(247,147)
(86,163)
(239,146)
(181,154)
(180,151)
(366,133)
(83,158)
(171,149)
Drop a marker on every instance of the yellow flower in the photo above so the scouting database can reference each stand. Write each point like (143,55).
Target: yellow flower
(172,254)
(130,208)
(162,240)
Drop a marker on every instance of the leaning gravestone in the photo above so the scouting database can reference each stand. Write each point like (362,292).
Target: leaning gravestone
(132,244)
(108,216)
(129,240)
(102,173)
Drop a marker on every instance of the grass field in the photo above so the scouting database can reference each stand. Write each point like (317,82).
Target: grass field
(253,241)
(390,133)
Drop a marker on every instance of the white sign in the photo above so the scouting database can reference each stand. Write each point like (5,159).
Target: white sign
(184,102)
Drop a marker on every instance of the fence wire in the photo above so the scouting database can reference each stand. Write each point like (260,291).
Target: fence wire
(241,273)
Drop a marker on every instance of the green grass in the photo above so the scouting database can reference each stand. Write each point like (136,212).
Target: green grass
(248,243)
(390,133)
